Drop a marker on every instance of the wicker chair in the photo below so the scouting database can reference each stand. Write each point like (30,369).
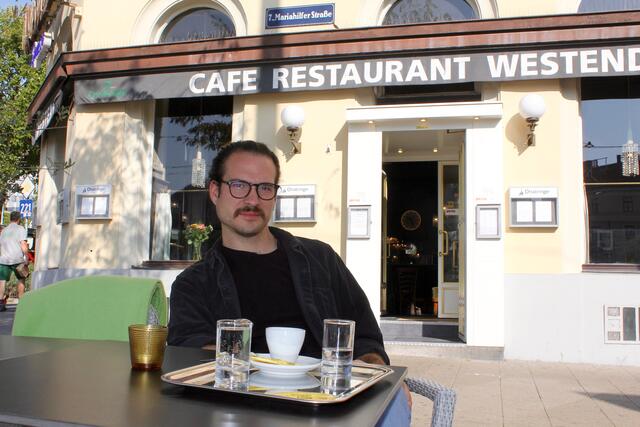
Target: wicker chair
(444,400)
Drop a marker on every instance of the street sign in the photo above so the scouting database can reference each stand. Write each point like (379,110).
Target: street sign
(26,208)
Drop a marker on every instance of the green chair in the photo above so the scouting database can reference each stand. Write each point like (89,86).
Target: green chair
(91,308)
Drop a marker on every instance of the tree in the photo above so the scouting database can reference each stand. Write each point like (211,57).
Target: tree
(19,83)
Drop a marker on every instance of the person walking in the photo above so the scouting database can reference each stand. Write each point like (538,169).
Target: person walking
(13,252)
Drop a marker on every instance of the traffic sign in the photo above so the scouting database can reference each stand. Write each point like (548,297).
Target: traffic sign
(26,208)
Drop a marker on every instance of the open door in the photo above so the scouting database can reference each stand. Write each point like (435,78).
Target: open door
(385,246)
(462,248)
(448,239)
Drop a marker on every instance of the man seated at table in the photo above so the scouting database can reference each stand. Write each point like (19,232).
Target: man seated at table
(265,274)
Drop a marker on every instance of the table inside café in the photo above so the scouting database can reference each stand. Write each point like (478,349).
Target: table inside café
(60,382)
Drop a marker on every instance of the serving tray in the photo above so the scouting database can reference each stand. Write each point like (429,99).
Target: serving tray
(305,389)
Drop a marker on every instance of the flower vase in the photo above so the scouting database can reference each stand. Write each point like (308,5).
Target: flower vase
(197,251)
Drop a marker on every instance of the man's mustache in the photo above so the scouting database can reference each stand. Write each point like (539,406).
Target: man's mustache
(254,209)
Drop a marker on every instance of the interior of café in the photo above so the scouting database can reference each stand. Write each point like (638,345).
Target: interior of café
(421,244)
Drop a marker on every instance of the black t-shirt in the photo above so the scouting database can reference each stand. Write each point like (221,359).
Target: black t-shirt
(267,296)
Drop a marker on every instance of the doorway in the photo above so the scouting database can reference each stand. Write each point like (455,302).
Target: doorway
(371,143)
(420,224)
(411,239)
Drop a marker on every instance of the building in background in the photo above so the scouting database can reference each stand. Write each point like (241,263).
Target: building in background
(472,160)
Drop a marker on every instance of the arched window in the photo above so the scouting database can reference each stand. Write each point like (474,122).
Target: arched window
(588,6)
(417,11)
(198,24)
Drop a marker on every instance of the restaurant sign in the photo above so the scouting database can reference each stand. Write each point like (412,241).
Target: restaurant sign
(316,14)
(418,70)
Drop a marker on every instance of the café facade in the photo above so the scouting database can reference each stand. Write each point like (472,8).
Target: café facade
(475,161)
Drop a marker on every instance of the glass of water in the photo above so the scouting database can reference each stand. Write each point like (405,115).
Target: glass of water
(233,354)
(337,355)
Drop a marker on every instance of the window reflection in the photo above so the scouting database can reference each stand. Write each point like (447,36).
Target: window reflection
(185,129)
(417,11)
(199,24)
(588,6)
(609,107)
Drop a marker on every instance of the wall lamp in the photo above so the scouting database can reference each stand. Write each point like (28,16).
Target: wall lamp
(293,118)
(531,109)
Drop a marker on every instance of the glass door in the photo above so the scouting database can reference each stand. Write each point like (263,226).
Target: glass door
(448,239)
(462,252)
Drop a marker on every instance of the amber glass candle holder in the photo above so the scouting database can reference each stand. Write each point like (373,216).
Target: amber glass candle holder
(146,345)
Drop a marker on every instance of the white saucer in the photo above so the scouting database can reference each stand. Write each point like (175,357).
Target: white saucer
(270,382)
(303,365)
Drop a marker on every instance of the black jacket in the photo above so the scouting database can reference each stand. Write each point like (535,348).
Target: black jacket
(324,287)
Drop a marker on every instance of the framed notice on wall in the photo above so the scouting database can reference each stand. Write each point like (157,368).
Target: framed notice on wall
(296,203)
(359,222)
(533,206)
(62,207)
(93,201)
(488,222)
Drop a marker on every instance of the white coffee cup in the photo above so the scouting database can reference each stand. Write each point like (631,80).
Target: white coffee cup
(285,343)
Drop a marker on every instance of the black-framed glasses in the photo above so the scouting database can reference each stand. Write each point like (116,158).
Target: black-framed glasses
(240,189)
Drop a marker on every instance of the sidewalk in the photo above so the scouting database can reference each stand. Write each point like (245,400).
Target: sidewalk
(517,393)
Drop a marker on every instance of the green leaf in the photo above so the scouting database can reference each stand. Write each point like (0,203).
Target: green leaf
(18,85)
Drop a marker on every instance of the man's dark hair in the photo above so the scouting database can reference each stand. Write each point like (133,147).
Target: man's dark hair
(217,165)
(14,216)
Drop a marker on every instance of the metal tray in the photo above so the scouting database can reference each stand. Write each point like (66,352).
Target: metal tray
(306,390)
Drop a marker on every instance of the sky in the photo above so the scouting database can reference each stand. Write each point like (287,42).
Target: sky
(6,3)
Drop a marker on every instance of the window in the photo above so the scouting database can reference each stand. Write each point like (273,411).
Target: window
(609,107)
(451,92)
(417,11)
(188,133)
(588,6)
(198,24)
(621,324)
(421,11)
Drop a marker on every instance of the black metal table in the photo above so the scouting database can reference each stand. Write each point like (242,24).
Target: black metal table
(12,347)
(60,382)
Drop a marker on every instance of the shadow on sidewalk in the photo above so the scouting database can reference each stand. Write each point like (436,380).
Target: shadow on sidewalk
(626,401)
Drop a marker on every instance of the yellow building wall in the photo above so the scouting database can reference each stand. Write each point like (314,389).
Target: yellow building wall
(510,8)
(108,144)
(115,23)
(50,182)
(106,24)
(112,143)
(555,161)
(322,160)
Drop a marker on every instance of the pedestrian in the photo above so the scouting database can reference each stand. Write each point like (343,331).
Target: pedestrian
(266,274)
(13,252)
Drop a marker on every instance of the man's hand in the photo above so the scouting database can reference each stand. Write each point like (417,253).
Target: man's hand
(24,246)
(209,347)
(374,358)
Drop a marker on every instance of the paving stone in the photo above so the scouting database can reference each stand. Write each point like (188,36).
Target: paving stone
(522,393)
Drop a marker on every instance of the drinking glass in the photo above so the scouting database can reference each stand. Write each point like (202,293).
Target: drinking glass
(337,355)
(146,346)
(233,354)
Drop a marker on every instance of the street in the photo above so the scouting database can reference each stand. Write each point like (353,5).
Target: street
(6,319)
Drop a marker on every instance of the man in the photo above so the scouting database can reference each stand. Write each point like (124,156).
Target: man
(13,249)
(265,274)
